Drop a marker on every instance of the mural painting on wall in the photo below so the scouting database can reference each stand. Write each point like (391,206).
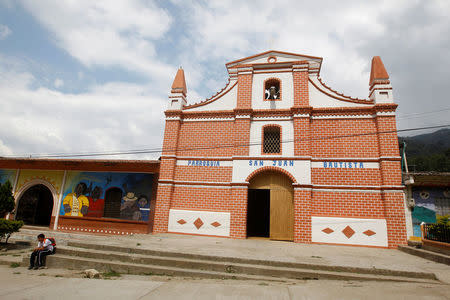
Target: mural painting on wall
(7,175)
(431,202)
(107,194)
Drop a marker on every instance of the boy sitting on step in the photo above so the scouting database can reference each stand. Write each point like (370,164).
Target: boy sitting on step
(44,248)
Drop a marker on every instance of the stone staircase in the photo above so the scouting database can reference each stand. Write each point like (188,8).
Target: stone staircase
(78,255)
(81,251)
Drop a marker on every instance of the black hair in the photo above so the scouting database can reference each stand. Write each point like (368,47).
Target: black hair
(41,236)
(83,185)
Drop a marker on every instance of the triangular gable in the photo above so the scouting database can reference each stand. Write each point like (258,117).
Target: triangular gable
(280,56)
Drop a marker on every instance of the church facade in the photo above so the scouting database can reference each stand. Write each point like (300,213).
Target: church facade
(277,154)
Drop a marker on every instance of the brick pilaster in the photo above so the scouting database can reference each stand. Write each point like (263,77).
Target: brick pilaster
(301,91)
(244,96)
(302,215)
(238,223)
(167,171)
(390,170)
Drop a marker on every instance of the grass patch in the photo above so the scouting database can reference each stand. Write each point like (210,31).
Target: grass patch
(14,265)
(138,244)
(111,273)
(148,274)
(57,275)
(16,273)
(262,283)
(42,274)
(314,256)
(16,255)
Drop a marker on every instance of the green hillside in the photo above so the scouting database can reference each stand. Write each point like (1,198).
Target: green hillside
(428,152)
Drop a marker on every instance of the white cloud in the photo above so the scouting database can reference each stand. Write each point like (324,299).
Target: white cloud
(107,33)
(113,116)
(58,83)
(4,31)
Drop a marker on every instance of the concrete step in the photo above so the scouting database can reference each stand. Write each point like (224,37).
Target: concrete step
(114,251)
(195,266)
(430,255)
(228,272)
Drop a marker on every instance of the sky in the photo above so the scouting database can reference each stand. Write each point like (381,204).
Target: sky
(79,76)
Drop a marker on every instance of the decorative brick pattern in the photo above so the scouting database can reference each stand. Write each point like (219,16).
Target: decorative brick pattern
(348,232)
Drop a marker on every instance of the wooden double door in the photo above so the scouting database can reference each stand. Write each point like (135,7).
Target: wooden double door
(270,211)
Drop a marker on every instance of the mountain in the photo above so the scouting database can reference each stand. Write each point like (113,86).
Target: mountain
(428,152)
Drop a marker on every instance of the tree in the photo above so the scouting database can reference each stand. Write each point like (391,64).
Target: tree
(7,203)
(6,199)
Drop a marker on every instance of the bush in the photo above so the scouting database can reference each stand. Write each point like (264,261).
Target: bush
(7,227)
(7,202)
(440,231)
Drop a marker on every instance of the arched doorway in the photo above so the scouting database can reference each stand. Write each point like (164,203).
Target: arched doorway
(270,211)
(35,206)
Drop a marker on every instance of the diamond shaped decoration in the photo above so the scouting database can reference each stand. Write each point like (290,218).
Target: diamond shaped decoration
(369,232)
(328,230)
(216,224)
(348,232)
(198,223)
(181,221)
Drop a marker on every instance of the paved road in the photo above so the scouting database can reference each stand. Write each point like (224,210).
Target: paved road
(19,283)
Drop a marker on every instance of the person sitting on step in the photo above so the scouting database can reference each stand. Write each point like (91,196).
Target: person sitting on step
(43,249)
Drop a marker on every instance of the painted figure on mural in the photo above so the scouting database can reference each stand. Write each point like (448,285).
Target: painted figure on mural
(96,204)
(144,207)
(129,210)
(76,204)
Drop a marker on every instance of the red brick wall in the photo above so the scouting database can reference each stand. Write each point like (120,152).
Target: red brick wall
(201,198)
(302,216)
(301,91)
(105,226)
(244,97)
(395,218)
(347,204)
(241,136)
(324,145)
(238,209)
(208,174)
(302,147)
(209,135)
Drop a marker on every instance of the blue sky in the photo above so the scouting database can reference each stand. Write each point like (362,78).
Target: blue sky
(80,75)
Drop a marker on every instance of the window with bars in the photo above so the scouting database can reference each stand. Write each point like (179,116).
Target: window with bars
(272,137)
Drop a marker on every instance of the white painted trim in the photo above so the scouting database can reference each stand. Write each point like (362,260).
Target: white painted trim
(243,117)
(345,164)
(344,158)
(301,115)
(343,117)
(206,217)
(223,163)
(172,118)
(61,193)
(347,190)
(208,119)
(272,118)
(359,226)
(16,179)
(385,113)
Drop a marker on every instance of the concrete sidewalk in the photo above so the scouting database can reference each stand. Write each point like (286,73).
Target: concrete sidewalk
(19,283)
(348,256)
